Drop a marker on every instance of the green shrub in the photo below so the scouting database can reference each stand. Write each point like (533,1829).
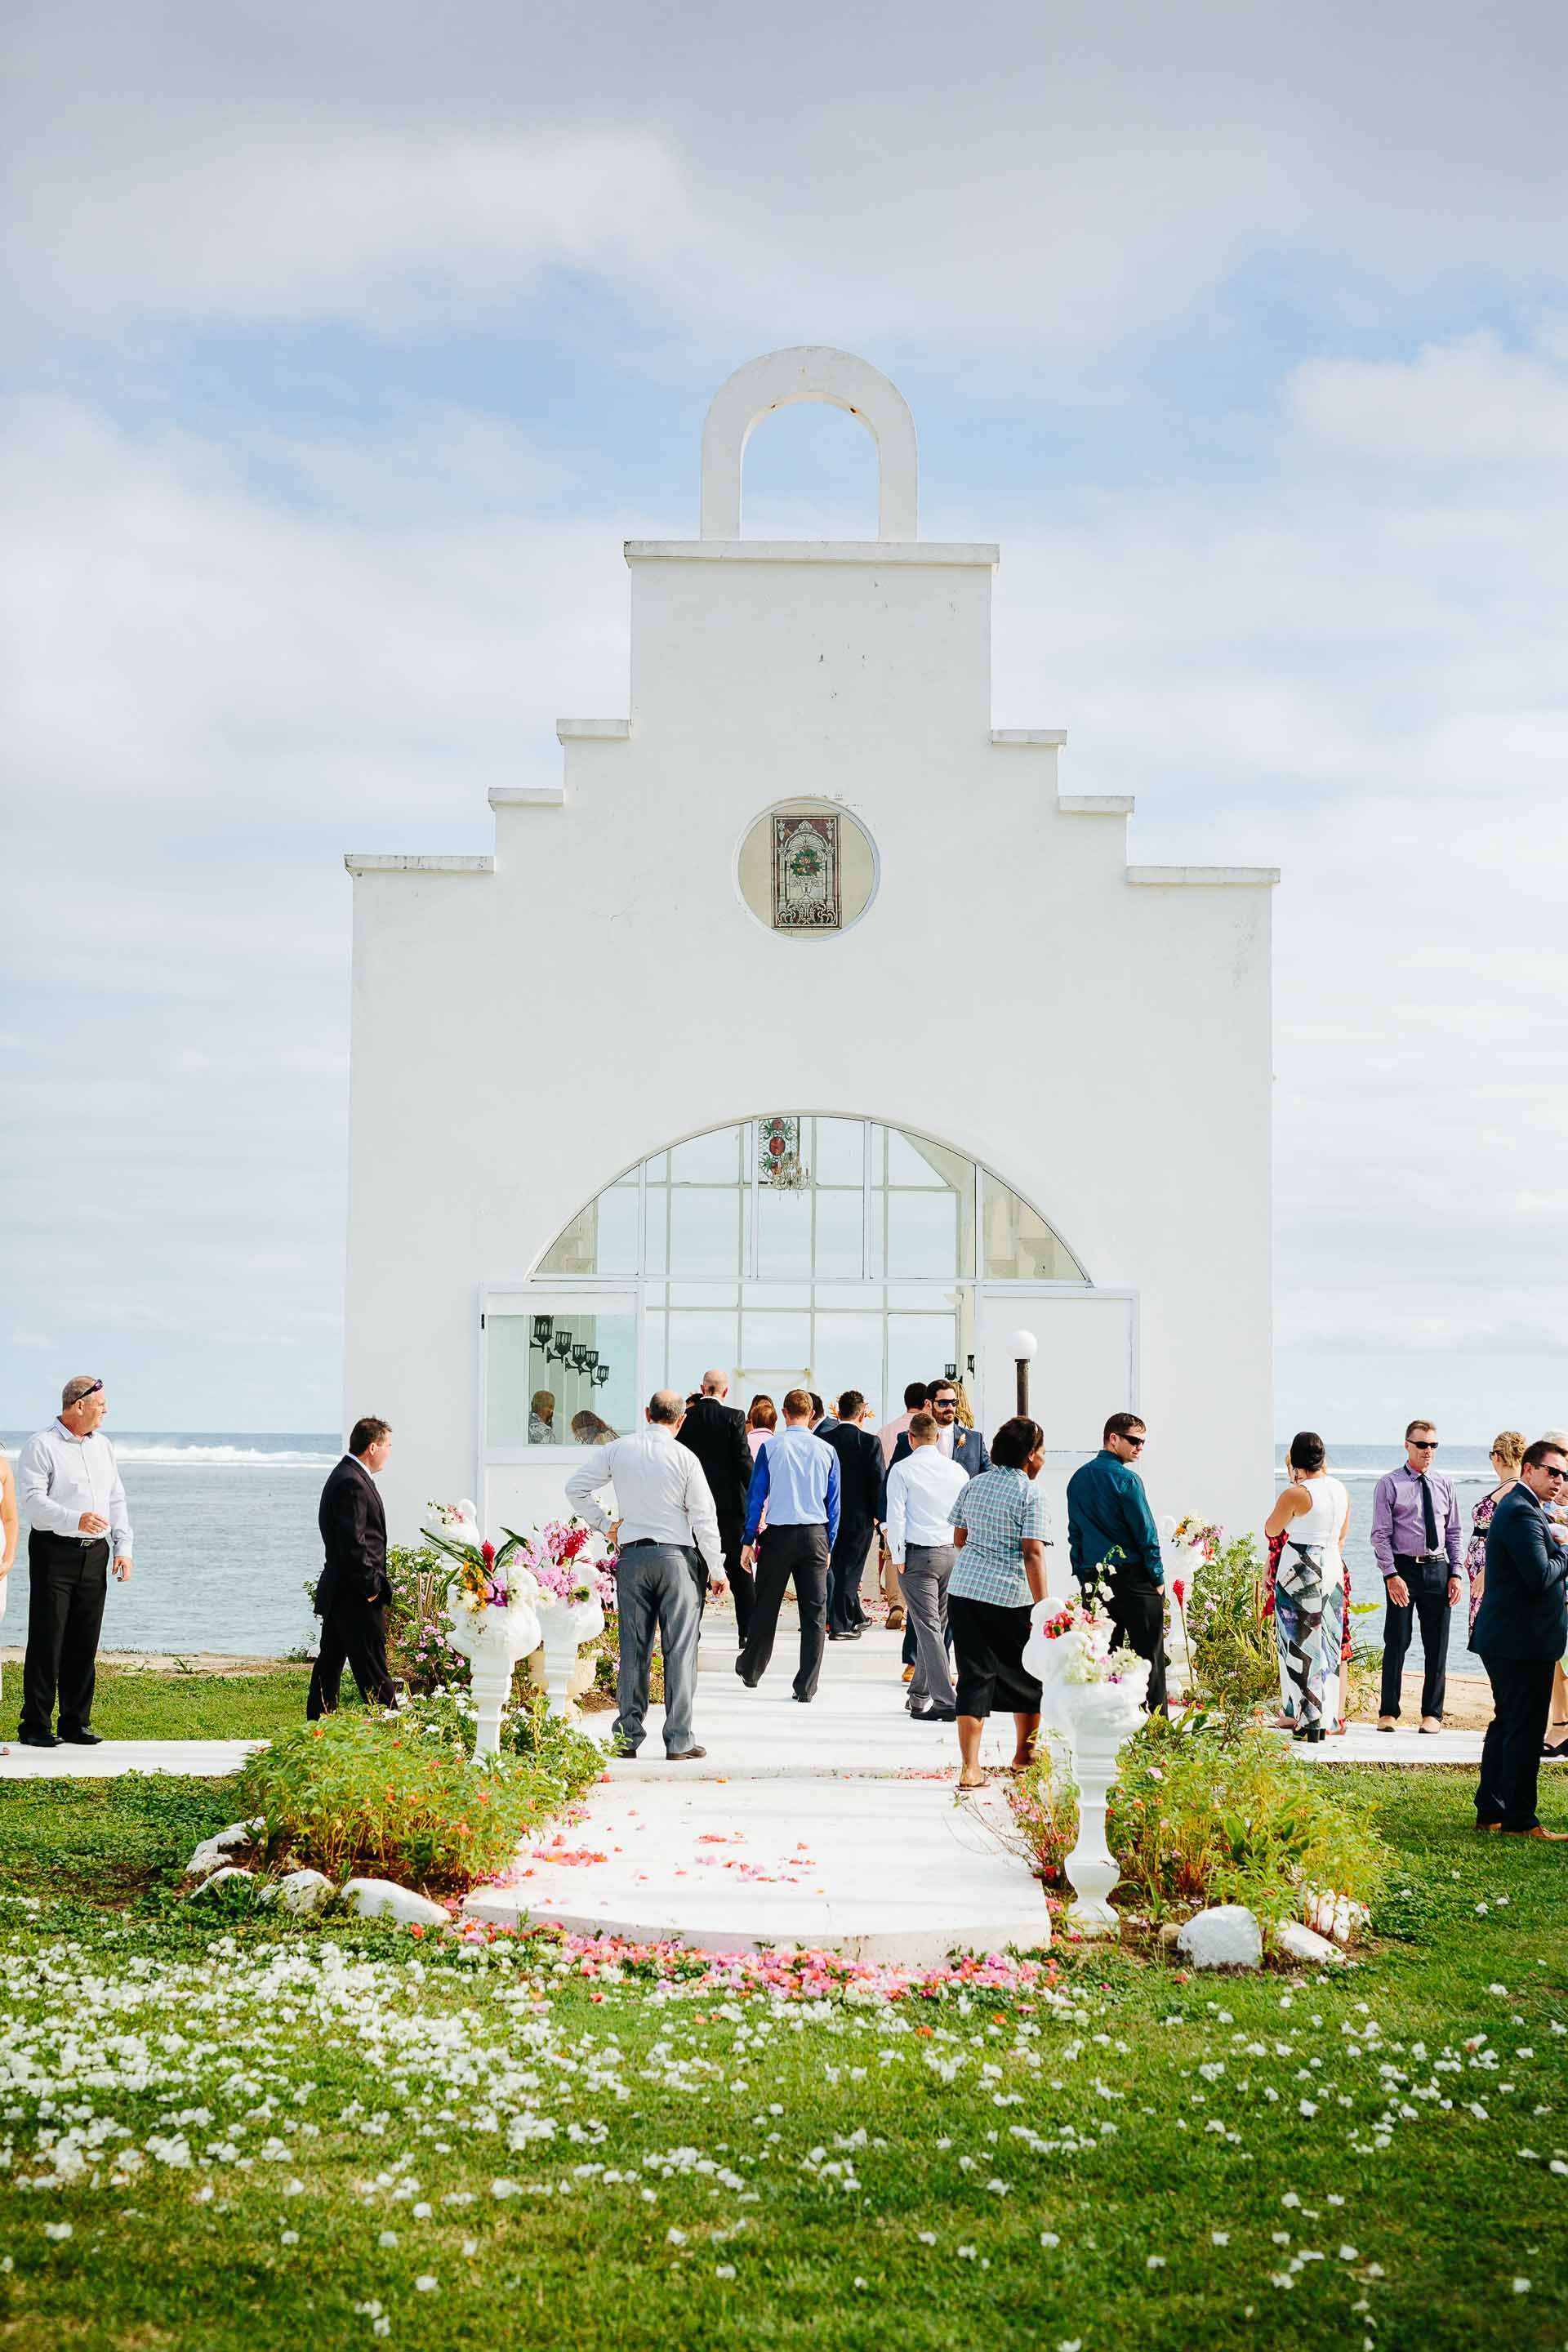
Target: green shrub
(1205,1811)
(560,1753)
(379,1795)
(1235,1660)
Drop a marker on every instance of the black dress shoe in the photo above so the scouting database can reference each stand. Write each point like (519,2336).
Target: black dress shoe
(37,1739)
(81,1739)
(801,1698)
(937,1715)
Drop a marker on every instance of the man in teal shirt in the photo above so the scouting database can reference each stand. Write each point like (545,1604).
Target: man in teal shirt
(1114,1546)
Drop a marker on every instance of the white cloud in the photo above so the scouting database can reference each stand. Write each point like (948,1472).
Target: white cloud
(1040,181)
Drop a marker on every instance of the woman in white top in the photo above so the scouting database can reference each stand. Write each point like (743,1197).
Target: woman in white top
(1313,1515)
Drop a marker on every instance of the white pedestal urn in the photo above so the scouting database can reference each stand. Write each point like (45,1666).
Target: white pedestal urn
(1096,1716)
(566,1626)
(493,1640)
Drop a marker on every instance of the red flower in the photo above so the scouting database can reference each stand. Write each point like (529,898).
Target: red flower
(488,1553)
(1179,1590)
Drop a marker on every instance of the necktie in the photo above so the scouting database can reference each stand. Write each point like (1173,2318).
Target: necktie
(1427,1512)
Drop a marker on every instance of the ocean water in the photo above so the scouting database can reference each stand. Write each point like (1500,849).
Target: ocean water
(227,1541)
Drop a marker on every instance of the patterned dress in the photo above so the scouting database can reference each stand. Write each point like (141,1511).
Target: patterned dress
(1476,1551)
(1311,1607)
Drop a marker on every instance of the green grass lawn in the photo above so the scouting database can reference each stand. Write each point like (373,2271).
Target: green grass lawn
(267,2133)
(131,1703)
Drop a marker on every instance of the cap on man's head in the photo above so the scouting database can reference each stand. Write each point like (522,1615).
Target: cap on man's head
(84,1385)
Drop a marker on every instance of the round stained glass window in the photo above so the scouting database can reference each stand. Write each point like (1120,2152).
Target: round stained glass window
(807,869)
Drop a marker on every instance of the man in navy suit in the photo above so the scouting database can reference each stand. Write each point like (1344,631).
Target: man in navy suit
(354,1589)
(1519,1637)
(860,1509)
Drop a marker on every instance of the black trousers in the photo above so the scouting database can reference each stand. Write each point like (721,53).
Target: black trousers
(1427,1583)
(1511,1753)
(353,1634)
(67,1582)
(787,1554)
(742,1583)
(845,1566)
(1137,1613)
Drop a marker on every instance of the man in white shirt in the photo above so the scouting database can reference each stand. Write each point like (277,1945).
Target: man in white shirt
(922,1487)
(68,1483)
(667,1527)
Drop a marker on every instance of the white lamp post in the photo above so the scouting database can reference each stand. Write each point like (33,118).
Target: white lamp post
(1024,1348)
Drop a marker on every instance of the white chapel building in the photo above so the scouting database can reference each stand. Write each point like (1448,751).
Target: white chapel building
(868,1046)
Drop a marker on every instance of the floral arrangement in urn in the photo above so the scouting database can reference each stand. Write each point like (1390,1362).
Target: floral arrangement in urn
(564,1565)
(485,1576)
(1085,1654)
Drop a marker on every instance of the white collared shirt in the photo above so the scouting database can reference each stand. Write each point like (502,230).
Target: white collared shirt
(661,1494)
(921,1491)
(61,1476)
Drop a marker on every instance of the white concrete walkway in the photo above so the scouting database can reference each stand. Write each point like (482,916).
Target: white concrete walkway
(204,1760)
(834,1825)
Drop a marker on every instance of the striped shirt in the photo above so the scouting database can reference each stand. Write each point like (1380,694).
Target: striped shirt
(1002,1510)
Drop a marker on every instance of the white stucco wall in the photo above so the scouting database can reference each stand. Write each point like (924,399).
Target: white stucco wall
(1099,1039)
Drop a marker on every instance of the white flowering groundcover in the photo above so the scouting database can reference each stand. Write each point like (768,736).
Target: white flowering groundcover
(255,2134)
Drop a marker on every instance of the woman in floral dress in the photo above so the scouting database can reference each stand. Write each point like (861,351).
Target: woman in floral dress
(1507,1453)
(1308,1520)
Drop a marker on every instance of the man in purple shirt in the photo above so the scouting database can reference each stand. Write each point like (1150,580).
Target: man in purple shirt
(1418,1544)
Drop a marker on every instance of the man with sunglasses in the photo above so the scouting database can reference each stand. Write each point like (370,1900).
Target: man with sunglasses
(69,1483)
(1418,1542)
(1113,1546)
(1520,1626)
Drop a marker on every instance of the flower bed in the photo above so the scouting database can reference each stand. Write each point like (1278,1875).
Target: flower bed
(396,1798)
(1206,1812)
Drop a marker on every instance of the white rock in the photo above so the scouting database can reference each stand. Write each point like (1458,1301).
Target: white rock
(221,1878)
(1226,1937)
(379,1898)
(222,1847)
(1299,1943)
(299,1891)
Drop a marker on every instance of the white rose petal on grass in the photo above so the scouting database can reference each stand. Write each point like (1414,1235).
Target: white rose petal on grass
(724,2270)
(290,2238)
(966,2254)
(673,2237)
(926,2237)
(1048,2238)
(426,2285)
(1349,2255)
(1219,2237)
(1521,2286)
(57,2230)
(1155,2262)
(387,2238)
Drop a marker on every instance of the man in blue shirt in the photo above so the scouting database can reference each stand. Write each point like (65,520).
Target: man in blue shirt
(797,1477)
(1114,1546)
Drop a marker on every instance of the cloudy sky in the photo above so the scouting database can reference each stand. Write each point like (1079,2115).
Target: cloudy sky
(346,344)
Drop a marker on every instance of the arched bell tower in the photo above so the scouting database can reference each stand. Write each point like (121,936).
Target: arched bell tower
(781,380)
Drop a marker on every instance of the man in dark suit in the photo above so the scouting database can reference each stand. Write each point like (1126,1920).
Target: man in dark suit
(716,1433)
(1519,1638)
(859,1508)
(354,1588)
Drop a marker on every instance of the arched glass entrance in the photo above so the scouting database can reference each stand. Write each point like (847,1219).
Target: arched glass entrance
(828,1253)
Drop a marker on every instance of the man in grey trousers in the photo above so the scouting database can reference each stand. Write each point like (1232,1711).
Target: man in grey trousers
(666,1529)
(922,1487)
